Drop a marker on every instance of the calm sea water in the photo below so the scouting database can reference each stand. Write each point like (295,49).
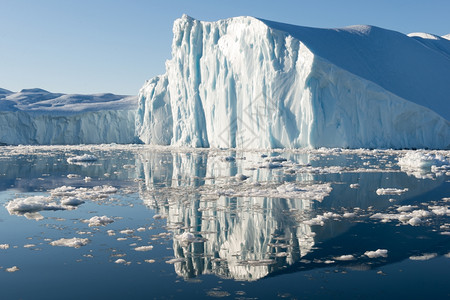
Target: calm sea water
(183,224)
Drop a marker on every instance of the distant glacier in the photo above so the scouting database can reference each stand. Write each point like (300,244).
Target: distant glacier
(250,83)
(38,117)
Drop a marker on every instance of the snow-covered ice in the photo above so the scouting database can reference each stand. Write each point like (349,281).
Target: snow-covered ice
(345,257)
(4,246)
(99,221)
(12,269)
(251,83)
(144,248)
(36,116)
(391,191)
(376,253)
(72,242)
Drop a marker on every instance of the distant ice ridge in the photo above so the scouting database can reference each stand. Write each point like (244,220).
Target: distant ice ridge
(251,83)
(38,117)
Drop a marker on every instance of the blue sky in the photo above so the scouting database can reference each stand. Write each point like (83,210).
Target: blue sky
(92,46)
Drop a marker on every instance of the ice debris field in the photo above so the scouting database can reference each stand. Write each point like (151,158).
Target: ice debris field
(238,214)
(247,83)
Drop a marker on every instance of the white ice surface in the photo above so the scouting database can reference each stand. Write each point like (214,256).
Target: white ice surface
(72,242)
(251,83)
(99,221)
(82,158)
(36,116)
(376,253)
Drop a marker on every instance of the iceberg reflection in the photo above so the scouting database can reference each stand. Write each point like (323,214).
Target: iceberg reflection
(270,219)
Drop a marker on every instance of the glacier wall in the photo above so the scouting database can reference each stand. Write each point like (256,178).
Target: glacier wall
(93,127)
(38,117)
(249,83)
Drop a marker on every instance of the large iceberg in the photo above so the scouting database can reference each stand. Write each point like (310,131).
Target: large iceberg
(36,116)
(250,83)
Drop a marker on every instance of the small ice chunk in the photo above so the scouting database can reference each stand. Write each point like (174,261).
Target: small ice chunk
(349,215)
(82,158)
(71,201)
(345,257)
(4,246)
(73,242)
(32,204)
(127,231)
(144,248)
(414,221)
(12,269)
(425,256)
(150,261)
(111,232)
(391,191)
(99,221)
(376,253)
(120,261)
(354,185)
(406,208)
(440,210)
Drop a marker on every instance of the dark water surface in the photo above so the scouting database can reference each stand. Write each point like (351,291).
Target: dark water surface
(181,224)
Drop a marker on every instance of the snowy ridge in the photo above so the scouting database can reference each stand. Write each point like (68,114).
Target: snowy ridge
(251,83)
(36,116)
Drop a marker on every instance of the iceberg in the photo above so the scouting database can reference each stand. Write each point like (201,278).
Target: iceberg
(246,82)
(39,117)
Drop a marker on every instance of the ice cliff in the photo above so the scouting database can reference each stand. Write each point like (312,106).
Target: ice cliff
(251,83)
(36,116)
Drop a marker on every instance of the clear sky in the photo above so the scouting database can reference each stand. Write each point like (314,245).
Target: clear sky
(93,46)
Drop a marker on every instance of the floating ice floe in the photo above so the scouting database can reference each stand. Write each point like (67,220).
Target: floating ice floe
(391,191)
(413,218)
(376,253)
(420,164)
(345,257)
(121,261)
(143,248)
(12,269)
(73,242)
(71,201)
(82,158)
(61,198)
(99,221)
(320,219)
(425,256)
(4,246)
(32,204)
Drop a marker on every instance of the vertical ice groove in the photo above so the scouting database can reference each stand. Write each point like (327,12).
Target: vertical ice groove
(247,83)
